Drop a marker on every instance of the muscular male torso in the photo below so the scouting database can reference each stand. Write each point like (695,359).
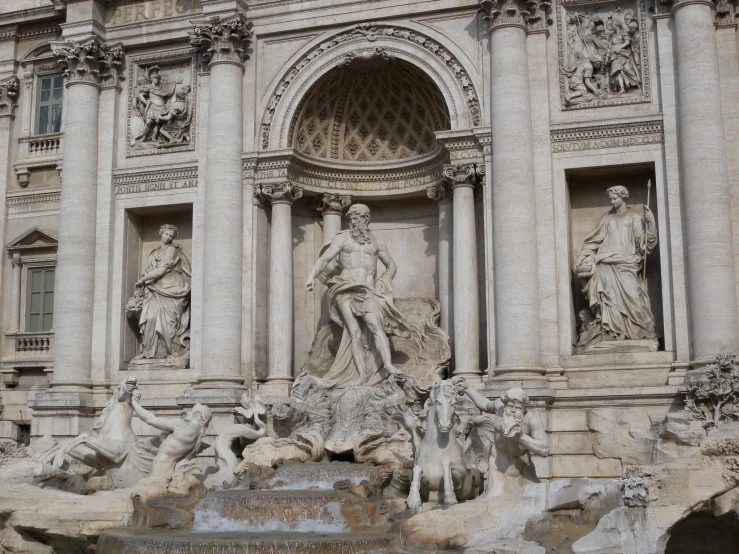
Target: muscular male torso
(359,261)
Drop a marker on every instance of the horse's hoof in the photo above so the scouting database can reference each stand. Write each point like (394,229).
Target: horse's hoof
(451,499)
(58,460)
(414,501)
(38,470)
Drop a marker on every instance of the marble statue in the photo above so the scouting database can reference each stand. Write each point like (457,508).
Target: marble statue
(226,460)
(108,447)
(610,265)
(360,302)
(510,436)
(162,304)
(180,441)
(440,463)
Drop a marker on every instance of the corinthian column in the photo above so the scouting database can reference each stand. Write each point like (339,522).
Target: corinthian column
(514,192)
(223,42)
(331,207)
(86,64)
(466,347)
(705,183)
(442,194)
(280,300)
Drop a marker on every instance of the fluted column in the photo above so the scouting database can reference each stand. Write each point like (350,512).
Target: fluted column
(280,299)
(223,42)
(331,207)
(466,347)
(514,192)
(442,194)
(86,63)
(704,184)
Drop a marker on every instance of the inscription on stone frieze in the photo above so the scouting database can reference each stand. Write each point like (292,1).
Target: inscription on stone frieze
(161,185)
(124,13)
(616,142)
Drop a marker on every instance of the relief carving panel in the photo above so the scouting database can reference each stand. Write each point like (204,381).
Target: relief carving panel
(603,54)
(161,104)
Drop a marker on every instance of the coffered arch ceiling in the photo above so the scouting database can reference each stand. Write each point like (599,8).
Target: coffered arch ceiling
(370,110)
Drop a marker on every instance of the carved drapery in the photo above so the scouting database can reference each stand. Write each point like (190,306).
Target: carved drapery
(531,14)
(90,61)
(332,204)
(8,94)
(285,193)
(223,40)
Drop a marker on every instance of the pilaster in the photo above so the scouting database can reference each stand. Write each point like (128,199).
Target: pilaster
(441,193)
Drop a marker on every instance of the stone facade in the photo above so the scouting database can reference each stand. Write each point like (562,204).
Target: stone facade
(482,135)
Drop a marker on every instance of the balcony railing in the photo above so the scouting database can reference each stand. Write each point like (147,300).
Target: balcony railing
(44,146)
(33,344)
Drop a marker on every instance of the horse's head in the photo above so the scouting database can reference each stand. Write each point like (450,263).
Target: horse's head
(444,400)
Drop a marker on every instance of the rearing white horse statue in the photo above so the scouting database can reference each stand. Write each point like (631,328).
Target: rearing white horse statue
(439,458)
(110,445)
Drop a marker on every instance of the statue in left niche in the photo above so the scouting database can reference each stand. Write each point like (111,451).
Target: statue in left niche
(162,111)
(161,304)
(114,450)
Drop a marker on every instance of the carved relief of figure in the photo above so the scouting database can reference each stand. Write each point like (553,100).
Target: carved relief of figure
(602,56)
(624,61)
(610,263)
(511,436)
(360,302)
(164,298)
(162,111)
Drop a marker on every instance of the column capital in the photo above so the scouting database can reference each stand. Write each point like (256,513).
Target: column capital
(90,61)
(464,175)
(8,94)
(666,7)
(725,13)
(284,193)
(531,15)
(329,203)
(440,192)
(222,39)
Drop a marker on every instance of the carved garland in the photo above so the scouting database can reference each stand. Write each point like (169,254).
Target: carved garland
(370,32)
(8,94)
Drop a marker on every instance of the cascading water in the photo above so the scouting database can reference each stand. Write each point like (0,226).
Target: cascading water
(298,512)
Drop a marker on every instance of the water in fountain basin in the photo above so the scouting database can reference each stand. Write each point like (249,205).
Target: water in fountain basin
(317,475)
(258,511)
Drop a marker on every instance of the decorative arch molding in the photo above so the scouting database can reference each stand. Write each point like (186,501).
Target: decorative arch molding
(413,46)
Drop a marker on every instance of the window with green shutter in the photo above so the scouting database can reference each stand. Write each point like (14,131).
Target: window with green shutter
(49,104)
(40,302)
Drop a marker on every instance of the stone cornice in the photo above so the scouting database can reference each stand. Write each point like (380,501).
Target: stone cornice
(133,177)
(89,61)
(531,15)
(34,197)
(329,203)
(222,40)
(284,193)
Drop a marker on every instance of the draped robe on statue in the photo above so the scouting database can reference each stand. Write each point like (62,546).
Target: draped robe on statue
(363,299)
(616,292)
(165,313)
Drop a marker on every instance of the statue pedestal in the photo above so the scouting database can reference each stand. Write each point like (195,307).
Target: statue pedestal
(608,346)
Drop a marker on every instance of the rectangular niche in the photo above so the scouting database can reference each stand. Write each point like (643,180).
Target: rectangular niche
(588,202)
(603,53)
(162,100)
(141,236)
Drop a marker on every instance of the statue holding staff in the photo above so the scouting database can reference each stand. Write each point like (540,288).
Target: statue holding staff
(610,263)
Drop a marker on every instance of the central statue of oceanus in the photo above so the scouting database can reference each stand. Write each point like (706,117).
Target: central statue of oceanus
(360,302)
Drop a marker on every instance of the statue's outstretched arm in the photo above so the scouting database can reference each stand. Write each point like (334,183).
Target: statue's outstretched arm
(147,417)
(537,442)
(329,254)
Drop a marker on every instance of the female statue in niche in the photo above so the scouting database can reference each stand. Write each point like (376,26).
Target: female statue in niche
(162,299)
(610,264)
